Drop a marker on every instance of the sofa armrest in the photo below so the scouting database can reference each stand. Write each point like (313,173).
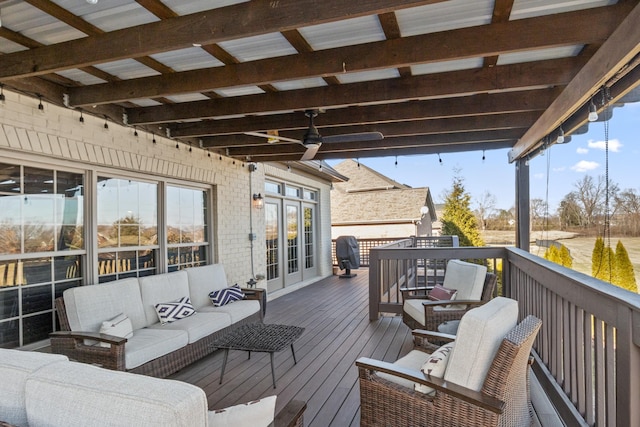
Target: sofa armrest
(71,344)
(291,415)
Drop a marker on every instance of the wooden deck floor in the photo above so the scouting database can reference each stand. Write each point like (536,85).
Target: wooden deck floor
(334,312)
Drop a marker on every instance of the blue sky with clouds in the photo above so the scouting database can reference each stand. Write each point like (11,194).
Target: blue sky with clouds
(552,175)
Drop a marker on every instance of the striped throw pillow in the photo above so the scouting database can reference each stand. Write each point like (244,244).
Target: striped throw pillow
(171,311)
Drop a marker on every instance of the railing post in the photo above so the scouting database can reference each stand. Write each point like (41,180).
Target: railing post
(628,368)
(374,284)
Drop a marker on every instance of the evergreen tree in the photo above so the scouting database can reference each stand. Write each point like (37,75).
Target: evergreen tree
(596,256)
(605,272)
(623,270)
(457,216)
(551,254)
(565,257)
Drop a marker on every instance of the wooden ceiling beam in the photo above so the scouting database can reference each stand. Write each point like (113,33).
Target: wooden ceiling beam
(208,27)
(528,100)
(454,83)
(619,49)
(493,39)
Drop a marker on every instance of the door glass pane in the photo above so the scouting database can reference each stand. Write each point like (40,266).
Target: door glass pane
(293,265)
(308,238)
(272,231)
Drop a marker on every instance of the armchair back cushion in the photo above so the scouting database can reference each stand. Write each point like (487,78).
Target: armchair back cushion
(204,280)
(15,367)
(89,306)
(160,289)
(90,396)
(466,278)
(479,336)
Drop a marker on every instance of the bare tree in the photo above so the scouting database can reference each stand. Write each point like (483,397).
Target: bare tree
(486,205)
(590,196)
(539,212)
(627,206)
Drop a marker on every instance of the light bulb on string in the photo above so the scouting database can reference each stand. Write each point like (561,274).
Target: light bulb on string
(440,159)
(593,113)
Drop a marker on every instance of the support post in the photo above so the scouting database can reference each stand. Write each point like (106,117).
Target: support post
(523,221)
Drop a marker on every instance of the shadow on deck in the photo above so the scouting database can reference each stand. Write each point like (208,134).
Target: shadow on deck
(335,314)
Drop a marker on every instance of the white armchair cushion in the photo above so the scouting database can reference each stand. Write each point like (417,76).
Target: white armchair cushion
(479,336)
(466,278)
(259,413)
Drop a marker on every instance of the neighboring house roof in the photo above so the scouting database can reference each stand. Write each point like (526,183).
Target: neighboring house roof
(370,197)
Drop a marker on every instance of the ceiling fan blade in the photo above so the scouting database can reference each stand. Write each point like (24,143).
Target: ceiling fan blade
(312,149)
(353,137)
(269,136)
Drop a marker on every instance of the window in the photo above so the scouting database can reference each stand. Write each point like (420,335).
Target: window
(187,240)
(127,236)
(41,248)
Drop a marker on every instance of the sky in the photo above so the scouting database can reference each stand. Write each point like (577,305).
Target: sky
(552,175)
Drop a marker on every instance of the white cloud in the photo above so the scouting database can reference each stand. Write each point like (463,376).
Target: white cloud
(538,176)
(614,145)
(581,150)
(584,166)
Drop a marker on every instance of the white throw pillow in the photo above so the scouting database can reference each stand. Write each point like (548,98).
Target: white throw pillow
(119,326)
(435,366)
(259,413)
(171,311)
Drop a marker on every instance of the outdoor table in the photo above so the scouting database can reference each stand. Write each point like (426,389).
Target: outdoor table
(259,337)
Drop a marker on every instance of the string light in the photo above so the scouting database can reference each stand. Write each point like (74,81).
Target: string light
(106,125)
(396,161)
(81,119)
(593,113)
(358,161)
(153,138)
(135,131)
(483,156)
(440,159)
(40,106)
(2,93)
(177,146)
(560,139)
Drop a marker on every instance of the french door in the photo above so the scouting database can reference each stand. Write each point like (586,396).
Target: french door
(290,242)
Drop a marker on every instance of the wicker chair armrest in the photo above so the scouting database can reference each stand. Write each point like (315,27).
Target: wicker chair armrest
(408,293)
(291,415)
(470,396)
(442,303)
(94,336)
(439,336)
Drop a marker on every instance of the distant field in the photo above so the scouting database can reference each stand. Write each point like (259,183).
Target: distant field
(580,247)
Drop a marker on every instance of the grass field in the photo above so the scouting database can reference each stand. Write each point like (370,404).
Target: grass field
(580,247)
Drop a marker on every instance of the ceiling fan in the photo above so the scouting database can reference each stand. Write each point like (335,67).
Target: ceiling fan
(312,139)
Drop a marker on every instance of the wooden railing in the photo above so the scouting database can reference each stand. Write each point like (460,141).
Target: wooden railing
(588,350)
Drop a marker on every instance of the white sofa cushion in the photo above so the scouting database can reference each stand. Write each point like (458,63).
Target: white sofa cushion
(479,336)
(237,311)
(415,309)
(162,288)
(203,280)
(147,344)
(88,306)
(197,326)
(15,368)
(258,413)
(86,395)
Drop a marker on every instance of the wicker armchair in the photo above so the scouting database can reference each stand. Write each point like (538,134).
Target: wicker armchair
(435,312)
(503,399)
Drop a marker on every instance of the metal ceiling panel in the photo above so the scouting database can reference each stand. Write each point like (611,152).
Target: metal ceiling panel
(367,76)
(440,67)
(300,84)
(258,47)
(444,16)
(343,33)
(239,91)
(7,46)
(80,77)
(182,7)
(532,8)
(187,97)
(120,14)
(127,69)
(187,59)
(539,55)
(145,102)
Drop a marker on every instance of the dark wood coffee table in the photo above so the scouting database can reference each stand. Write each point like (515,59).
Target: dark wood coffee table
(259,337)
